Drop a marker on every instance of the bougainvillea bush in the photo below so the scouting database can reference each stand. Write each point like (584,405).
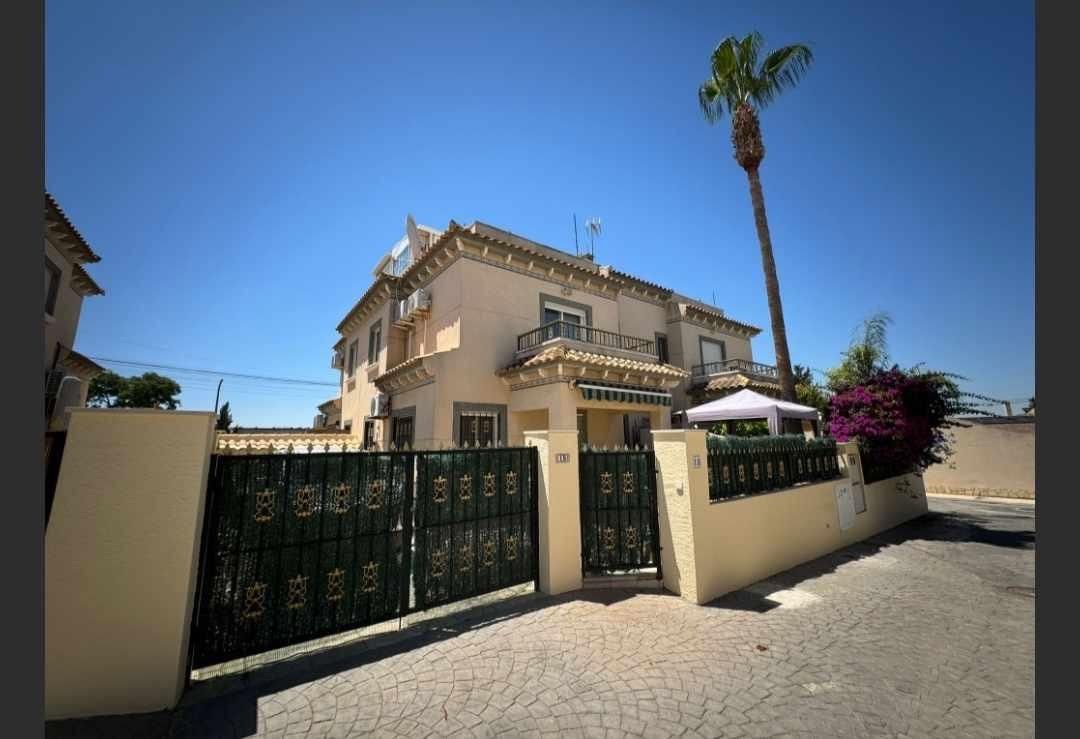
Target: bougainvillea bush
(899,418)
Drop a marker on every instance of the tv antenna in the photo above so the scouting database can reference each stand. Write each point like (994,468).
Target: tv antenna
(592,227)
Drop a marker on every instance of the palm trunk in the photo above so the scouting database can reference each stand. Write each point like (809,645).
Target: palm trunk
(772,288)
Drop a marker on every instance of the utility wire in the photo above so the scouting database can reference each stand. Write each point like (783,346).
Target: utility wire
(217,373)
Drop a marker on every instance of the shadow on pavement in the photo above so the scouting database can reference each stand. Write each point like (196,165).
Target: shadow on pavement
(228,706)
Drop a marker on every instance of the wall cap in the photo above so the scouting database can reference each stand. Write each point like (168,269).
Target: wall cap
(140,411)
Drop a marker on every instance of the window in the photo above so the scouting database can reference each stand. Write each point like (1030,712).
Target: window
(374,342)
(570,315)
(52,285)
(582,428)
(354,347)
(712,352)
(403,431)
(402,260)
(369,434)
(557,312)
(661,348)
(478,429)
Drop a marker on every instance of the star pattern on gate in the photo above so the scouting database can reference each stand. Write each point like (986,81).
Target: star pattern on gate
(369,577)
(305,501)
(254,601)
(607,483)
(439,559)
(341,499)
(768,469)
(439,489)
(631,537)
(799,463)
(727,474)
(297,592)
(628,483)
(757,471)
(465,486)
(489,484)
(264,505)
(376,494)
(465,556)
(609,537)
(511,547)
(742,473)
(487,552)
(335,584)
(511,483)
(782,472)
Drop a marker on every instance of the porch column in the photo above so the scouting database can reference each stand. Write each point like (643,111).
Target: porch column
(560,510)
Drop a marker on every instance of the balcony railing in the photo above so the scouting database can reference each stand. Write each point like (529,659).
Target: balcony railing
(586,335)
(701,371)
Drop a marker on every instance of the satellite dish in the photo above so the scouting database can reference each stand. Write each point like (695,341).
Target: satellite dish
(414,235)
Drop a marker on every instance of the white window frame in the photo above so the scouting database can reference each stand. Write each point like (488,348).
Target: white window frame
(566,310)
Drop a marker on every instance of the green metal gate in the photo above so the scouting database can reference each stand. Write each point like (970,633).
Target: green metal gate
(300,546)
(619,524)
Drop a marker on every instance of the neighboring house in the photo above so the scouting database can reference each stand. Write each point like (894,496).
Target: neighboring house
(67,373)
(474,335)
(329,416)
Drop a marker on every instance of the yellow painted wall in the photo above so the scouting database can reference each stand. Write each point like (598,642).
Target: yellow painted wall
(121,555)
(724,546)
(990,460)
(560,511)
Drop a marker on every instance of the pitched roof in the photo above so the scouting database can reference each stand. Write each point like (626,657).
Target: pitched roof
(556,354)
(64,231)
(84,283)
(81,363)
(332,404)
(739,381)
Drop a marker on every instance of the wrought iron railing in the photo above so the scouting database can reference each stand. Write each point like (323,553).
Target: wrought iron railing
(733,365)
(740,466)
(586,335)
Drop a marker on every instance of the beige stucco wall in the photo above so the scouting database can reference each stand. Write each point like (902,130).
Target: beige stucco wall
(560,510)
(720,547)
(64,323)
(121,554)
(685,346)
(996,460)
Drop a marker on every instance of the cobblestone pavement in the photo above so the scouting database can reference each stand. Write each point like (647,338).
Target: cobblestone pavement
(926,630)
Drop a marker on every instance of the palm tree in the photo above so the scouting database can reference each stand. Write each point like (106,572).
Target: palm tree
(738,84)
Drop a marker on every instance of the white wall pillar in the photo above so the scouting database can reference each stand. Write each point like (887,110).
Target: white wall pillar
(560,510)
(121,560)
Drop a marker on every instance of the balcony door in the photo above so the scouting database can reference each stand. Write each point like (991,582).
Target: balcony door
(712,354)
(566,320)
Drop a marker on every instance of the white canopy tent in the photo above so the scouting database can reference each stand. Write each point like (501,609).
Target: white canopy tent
(746,404)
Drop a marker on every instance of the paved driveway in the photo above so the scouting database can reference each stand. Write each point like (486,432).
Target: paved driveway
(927,630)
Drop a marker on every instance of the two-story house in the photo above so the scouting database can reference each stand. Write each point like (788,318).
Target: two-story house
(67,373)
(473,335)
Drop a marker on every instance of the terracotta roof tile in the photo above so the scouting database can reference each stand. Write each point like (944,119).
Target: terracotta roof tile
(601,361)
(58,220)
(738,381)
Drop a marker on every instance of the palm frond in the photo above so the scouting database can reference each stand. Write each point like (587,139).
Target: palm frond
(784,67)
(711,101)
(749,48)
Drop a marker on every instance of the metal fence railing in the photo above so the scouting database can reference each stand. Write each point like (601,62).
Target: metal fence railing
(740,466)
(586,335)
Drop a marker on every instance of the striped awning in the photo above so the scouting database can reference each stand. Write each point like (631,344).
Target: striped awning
(623,394)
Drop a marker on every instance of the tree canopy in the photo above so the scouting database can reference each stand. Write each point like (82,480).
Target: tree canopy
(224,418)
(149,390)
(738,79)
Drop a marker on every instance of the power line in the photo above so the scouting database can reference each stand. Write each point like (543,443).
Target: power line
(216,373)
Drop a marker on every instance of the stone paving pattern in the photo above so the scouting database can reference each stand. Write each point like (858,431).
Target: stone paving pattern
(926,630)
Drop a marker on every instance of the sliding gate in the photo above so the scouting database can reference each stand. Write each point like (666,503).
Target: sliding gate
(301,546)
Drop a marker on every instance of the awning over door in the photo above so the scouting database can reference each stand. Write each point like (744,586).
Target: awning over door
(623,394)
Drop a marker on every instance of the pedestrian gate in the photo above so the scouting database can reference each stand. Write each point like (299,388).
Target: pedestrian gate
(301,546)
(619,524)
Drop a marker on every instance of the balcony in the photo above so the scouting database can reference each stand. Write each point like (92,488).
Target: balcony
(702,372)
(593,338)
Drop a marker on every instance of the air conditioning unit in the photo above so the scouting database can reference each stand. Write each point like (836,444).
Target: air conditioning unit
(380,406)
(337,361)
(419,302)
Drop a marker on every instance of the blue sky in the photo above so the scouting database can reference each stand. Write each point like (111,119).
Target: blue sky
(241,166)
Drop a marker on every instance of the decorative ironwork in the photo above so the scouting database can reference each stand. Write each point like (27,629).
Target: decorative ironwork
(369,577)
(742,473)
(342,498)
(585,334)
(757,472)
(609,537)
(254,601)
(465,558)
(335,584)
(264,505)
(511,548)
(297,592)
(727,474)
(511,483)
(618,532)
(774,463)
(439,489)
(782,472)
(305,501)
(465,486)
(376,494)
(607,485)
(798,465)
(487,548)
(439,559)
(489,484)
(768,469)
